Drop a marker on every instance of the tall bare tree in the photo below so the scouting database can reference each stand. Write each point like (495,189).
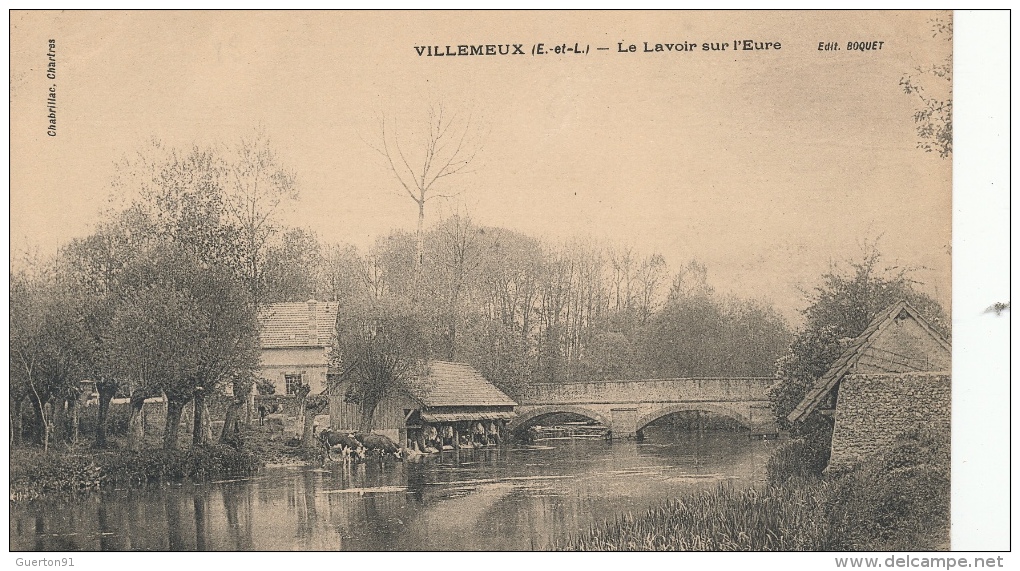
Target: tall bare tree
(258,188)
(446,149)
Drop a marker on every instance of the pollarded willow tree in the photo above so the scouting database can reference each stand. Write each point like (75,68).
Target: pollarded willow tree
(444,147)
(185,328)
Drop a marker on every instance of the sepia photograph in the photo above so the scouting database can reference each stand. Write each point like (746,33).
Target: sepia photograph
(483,281)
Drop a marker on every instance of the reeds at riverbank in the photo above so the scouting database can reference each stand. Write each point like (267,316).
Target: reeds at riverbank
(896,501)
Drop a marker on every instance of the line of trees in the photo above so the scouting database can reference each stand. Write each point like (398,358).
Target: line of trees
(162,299)
(524,311)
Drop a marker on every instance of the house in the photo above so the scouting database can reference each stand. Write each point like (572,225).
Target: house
(296,339)
(444,406)
(893,377)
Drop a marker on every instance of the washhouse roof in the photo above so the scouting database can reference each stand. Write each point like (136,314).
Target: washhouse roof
(857,349)
(455,384)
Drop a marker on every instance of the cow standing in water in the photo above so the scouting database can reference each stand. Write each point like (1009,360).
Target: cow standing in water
(349,445)
(379,442)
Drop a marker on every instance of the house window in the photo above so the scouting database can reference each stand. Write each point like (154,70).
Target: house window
(292,382)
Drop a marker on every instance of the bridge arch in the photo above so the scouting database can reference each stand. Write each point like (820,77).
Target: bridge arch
(524,418)
(667,410)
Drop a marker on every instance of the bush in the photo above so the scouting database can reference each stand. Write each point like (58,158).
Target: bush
(898,500)
(804,457)
(782,518)
(34,473)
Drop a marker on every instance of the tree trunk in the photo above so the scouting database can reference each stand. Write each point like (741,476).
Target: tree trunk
(229,434)
(107,389)
(249,405)
(200,431)
(308,434)
(419,252)
(42,425)
(16,412)
(136,429)
(312,410)
(207,435)
(174,408)
(302,396)
(367,417)
(75,406)
(60,420)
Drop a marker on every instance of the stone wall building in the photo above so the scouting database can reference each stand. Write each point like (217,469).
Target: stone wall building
(296,339)
(892,378)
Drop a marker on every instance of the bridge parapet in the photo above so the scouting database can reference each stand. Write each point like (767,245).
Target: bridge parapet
(650,390)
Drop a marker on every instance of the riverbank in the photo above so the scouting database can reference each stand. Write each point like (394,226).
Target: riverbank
(895,501)
(34,474)
(81,469)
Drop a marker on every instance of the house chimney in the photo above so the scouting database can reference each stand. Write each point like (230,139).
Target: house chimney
(313,325)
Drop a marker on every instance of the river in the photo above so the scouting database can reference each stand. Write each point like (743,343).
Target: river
(516,498)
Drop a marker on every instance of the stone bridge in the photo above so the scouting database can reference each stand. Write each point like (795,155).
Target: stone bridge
(626,407)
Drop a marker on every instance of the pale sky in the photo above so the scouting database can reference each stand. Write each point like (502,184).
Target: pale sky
(764,165)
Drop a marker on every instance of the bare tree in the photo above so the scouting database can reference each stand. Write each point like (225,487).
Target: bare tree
(258,188)
(447,149)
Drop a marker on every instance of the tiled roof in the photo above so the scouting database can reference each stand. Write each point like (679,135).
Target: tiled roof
(289,324)
(853,353)
(455,384)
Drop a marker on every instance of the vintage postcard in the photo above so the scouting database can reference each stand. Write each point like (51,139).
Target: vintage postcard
(481,281)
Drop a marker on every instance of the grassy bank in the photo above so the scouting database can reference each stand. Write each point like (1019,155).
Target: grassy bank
(895,501)
(78,469)
(34,474)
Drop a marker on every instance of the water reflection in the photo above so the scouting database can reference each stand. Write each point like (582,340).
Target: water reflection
(519,498)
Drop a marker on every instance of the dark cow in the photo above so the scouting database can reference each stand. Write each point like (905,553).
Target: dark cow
(348,443)
(378,442)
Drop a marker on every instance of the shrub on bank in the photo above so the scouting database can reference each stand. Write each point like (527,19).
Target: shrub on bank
(895,501)
(803,457)
(34,474)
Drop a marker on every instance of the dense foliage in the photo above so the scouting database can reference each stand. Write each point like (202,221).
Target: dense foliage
(161,299)
(840,309)
(525,311)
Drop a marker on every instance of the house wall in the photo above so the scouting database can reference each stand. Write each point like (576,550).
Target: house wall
(873,409)
(311,362)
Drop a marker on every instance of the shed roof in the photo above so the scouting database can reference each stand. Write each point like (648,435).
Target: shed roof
(290,324)
(855,350)
(455,384)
